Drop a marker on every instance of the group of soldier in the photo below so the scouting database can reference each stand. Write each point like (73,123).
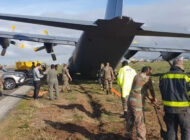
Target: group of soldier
(174,87)
(52,80)
(106,77)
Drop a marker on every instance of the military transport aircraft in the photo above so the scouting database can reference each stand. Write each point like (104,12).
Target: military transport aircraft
(112,35)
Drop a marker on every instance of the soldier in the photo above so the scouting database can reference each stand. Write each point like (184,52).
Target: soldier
(52,82)
(108,77)
(66,77)
(56,67)
(148,87)
(1,81)
(135,106)
(100,76)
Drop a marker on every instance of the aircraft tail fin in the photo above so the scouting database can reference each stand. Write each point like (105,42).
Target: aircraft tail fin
(114,9)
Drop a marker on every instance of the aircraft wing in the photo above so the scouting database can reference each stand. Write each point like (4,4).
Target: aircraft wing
(161,34)
(57,22)
(152,49)
(39,38)
(79,25)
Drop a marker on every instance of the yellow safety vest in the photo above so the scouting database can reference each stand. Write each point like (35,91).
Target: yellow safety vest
(125,80)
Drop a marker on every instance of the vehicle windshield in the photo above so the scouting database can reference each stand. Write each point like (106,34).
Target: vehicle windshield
(4,70)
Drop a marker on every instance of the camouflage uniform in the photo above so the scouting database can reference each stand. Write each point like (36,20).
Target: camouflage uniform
(146,87)
(53,83)
(65,79)
(100,76)
(135,108)
(108,78)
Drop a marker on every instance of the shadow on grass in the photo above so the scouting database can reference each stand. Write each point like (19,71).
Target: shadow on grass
(73,128)
(78,106)
(93,92)
(88,113)
(97,112)
(26,97)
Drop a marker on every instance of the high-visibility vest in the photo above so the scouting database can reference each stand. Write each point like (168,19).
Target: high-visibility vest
(125,80)
(175,89)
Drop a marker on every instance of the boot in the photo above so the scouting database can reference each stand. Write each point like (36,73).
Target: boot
(124,115)
(107,92)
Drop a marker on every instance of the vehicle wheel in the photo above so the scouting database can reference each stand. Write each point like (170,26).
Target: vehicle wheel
(9,84)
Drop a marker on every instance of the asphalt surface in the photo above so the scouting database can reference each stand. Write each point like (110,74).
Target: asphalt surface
(11,98)
(7,92)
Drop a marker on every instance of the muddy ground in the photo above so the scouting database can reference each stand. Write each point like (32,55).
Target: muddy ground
(85,114)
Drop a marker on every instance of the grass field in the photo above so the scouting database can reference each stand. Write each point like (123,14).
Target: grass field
(85,114)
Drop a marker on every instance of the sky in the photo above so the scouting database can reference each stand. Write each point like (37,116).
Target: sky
(159,15)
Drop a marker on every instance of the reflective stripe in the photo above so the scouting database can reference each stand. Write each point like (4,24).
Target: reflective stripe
(176,104)
(176,76)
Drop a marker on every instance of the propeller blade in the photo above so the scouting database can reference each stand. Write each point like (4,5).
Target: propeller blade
(53,57)
(39,48)
(3,51)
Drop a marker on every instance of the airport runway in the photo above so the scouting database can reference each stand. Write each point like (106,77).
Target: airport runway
(7,92)
(10,99)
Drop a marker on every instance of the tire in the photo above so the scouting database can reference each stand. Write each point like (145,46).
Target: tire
(9,83)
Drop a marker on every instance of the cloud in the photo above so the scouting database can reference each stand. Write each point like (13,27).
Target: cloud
(170,16)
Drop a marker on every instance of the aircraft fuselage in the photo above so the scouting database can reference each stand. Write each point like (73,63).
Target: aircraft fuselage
(107,43)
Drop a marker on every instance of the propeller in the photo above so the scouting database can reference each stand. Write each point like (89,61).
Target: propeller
(49,49)
(5,44)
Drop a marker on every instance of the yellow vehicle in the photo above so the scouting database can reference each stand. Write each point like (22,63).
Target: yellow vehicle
(25,65)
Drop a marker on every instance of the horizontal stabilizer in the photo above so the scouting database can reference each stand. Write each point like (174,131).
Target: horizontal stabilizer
(153,49)
(161,34)
(56,22)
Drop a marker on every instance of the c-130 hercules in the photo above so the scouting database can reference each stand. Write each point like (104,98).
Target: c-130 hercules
(112,35)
